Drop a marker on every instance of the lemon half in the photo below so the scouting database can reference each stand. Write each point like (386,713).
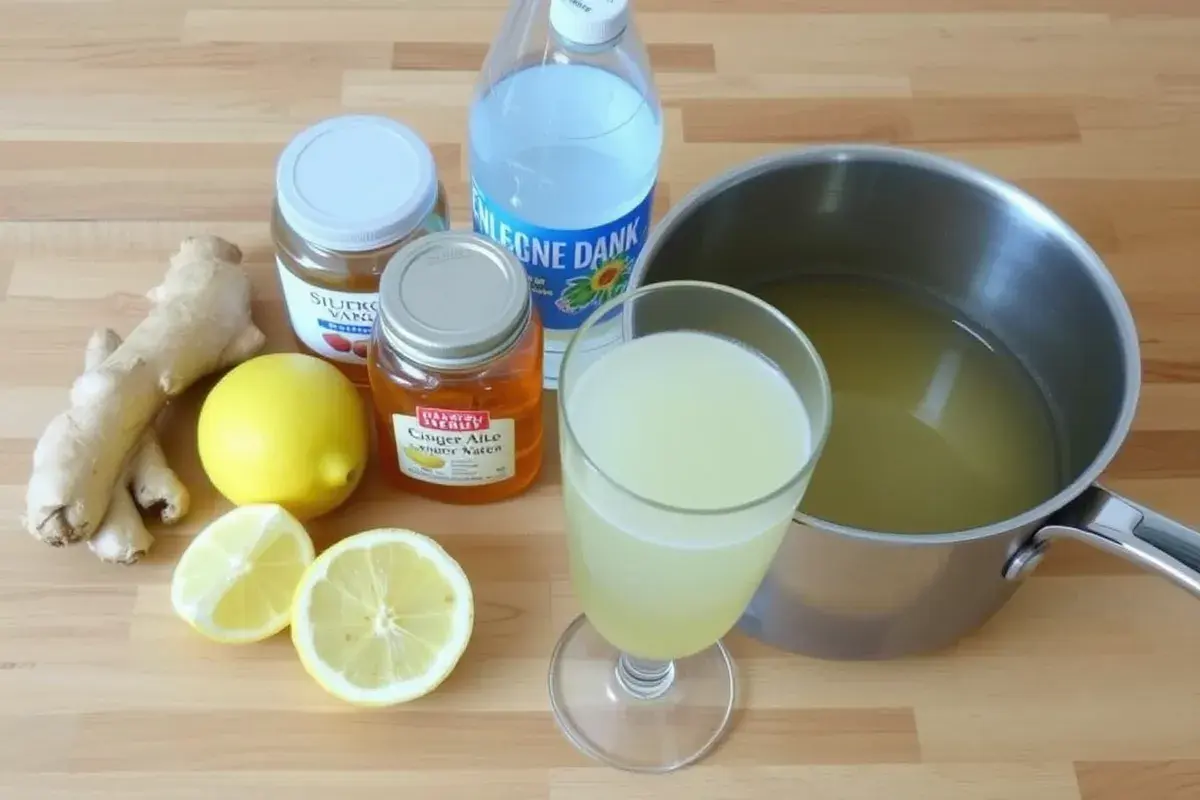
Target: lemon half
(236,580)
(382,617)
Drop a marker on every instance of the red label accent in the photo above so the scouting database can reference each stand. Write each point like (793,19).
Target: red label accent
(445,419)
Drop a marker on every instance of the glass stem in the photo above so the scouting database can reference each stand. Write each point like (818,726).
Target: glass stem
(644,678)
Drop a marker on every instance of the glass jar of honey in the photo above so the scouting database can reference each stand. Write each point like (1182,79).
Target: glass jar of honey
(456,371)
(349,192)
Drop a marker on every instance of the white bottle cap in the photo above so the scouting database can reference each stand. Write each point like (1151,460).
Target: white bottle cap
(355,183)
(589,22)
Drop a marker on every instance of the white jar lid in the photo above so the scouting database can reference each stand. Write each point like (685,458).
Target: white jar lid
(589,22)
(355,183)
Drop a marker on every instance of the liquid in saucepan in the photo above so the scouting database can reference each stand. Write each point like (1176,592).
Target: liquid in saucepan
(935,427)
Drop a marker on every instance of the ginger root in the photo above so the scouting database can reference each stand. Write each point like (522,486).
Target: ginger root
(122,537)
(200,322)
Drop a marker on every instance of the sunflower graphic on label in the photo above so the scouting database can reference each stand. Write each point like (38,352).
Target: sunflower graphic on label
(570,271)
(599,286)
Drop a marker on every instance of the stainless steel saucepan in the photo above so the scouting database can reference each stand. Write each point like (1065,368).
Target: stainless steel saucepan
(1013,267)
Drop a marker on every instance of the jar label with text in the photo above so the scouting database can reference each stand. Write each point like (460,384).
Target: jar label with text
(571,272)
(336,325)
(455,448)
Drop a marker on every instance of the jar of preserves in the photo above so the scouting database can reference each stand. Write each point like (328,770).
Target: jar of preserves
(456,371)
(349,192)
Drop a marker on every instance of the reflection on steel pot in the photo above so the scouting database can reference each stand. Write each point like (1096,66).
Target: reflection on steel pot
(1008,264)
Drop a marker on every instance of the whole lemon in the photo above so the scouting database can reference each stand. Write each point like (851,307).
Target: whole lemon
(284,428)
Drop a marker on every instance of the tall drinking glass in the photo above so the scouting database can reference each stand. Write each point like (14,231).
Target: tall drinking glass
(687,442)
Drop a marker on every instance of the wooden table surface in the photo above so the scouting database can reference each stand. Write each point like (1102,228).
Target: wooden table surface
(127,124)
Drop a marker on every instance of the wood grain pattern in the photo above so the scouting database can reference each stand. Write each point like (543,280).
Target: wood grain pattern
(128,124)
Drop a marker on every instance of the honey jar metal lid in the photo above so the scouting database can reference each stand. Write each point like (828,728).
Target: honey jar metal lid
(355,183)
(453,300)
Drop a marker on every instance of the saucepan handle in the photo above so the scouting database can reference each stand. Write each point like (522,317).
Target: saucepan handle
(1124,528)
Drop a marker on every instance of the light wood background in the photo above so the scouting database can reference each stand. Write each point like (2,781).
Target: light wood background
(127,124)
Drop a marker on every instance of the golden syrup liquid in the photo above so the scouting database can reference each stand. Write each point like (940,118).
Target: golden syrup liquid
(936,428)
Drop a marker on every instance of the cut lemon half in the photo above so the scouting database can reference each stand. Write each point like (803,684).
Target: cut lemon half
(236,580)
(382,617)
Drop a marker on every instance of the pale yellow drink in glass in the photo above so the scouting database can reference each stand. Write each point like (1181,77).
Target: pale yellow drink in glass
(668,530)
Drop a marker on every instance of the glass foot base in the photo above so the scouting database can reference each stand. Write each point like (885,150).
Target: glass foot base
(634,715)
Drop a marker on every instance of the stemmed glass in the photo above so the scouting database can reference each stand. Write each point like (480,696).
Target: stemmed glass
(691,416)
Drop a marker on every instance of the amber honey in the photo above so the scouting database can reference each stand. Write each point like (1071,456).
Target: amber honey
(455,369)
(350,291)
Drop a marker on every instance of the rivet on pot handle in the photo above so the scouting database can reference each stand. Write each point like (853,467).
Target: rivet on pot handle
(1123,528)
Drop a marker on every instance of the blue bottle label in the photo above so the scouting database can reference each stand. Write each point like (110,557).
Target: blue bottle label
(571,272)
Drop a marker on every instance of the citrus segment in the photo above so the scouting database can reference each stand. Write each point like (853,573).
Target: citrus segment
(382,617)
(236,580)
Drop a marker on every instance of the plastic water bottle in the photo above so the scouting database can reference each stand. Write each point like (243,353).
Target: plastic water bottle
(565,136)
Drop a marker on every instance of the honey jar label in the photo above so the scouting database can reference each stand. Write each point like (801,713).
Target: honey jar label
(335,325)
(455,448)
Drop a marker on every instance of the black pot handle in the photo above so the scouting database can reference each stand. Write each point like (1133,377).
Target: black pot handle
(1125,529)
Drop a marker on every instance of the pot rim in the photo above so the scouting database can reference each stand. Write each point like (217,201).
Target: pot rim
(1010,195)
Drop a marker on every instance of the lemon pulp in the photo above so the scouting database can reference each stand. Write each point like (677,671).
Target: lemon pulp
(382,617)
(236,580)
